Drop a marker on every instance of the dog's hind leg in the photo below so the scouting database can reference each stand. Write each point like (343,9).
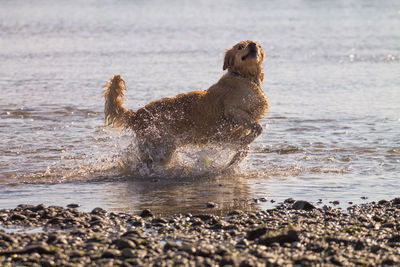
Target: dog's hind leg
(156,151)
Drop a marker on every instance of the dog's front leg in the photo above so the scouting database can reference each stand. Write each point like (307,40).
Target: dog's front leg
(243,119)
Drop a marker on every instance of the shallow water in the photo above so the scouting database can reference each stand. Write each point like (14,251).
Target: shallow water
(332,76)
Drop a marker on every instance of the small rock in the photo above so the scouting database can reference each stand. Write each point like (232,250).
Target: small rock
(303,205)
(388,225)
(18,217)
(242,243)
(41,249)
(359,245)
(394,239)
(288,236)
(390,260)
(111,253)
(335,202)
(383,202)
(73,206)
(76,254)
(171,245)
(210,205)
(124,243)
(290,200)
(159,220)
(231,260)
(254,234)
(295,244)
(140,253)
(233,213)
(146,213)
(375,248)
(128,253)
(396,201)
(39,207)
(377,218)
(205,251)
(98,211)
(26,206)
(47,263)
(188,249)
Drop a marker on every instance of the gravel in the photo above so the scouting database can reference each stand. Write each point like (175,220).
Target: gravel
(296,233)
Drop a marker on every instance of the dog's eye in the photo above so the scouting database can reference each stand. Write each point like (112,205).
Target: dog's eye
(240,47)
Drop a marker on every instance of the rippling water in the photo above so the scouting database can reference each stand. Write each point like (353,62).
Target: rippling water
(332,79)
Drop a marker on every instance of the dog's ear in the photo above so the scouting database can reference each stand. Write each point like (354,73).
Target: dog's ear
(229,58)
(261,76)
(261,73)
(262,53)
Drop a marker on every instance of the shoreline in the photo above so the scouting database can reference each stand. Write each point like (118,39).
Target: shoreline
(296,233)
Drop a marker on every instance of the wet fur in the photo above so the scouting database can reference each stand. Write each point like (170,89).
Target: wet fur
(227,113)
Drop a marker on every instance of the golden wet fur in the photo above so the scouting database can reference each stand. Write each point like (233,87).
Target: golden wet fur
(228,112)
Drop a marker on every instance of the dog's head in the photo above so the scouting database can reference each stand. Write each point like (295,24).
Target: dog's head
(245,58)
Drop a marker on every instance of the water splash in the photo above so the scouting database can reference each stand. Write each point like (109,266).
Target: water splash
(118,158)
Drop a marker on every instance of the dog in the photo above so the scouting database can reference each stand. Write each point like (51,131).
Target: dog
(229,112)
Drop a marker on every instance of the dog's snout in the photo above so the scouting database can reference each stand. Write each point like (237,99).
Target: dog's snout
(252,45)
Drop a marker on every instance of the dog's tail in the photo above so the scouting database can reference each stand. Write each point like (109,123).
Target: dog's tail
(114,112)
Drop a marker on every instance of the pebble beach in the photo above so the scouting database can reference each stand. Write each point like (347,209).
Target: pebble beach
(295,233)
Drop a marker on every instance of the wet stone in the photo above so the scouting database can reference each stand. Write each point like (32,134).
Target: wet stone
(124,243)
(111,253)
(288,236)
(396,201)
(290,200)
(159,221)
(204,217)
(262,199)
(256,233)
(377,218)
(73,205)
(146,213)
(171,245)
(394,239)
(98,210)
(391,260)
(231,260)
(47,263)
(303,205)
(41,249)
(210,205)
(18,217)
(388,225)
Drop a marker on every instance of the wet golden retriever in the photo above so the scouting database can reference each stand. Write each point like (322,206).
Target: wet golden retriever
(228,113)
